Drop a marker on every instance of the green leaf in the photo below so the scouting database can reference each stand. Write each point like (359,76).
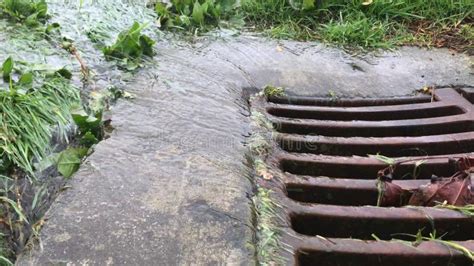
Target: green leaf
(161,9)
(26,79)
(42,9)
(64,73)
(129,47)
(308,4)
(146,45)
(87,123)
(69,161)
(198,13)
(52,27)
(183,20)
(32,20)
(89,139)
(7,68)
(28,11)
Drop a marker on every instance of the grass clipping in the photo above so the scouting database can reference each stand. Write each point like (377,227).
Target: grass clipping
(267,232)
(267,229)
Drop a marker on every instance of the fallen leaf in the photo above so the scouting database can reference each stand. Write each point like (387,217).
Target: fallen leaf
(455,190)
(392,195)
(69,160)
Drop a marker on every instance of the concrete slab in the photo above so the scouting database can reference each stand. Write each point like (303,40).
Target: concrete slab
(169,187)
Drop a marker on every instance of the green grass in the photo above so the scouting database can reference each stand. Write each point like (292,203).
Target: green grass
(467,210)
(380,24)
(433,237)
(346,23)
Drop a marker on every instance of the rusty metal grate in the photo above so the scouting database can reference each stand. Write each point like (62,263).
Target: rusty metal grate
(329,190)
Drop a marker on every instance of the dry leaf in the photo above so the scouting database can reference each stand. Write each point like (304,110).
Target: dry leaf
(393,195)
(454,190)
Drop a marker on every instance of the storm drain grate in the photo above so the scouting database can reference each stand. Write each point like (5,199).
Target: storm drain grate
(329,188)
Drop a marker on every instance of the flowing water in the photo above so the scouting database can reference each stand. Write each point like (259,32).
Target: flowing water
(171,183)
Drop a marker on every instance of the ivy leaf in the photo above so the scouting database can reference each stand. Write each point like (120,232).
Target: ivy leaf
(69,161)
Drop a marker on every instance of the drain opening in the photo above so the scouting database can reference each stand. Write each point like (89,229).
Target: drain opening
(364,115)
(393,147)
(343,192)
(303,100)
(366,222)
(335,196)
(412,128)
(339,169)
(325,258)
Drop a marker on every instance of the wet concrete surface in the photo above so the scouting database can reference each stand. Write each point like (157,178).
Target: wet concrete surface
(170,186)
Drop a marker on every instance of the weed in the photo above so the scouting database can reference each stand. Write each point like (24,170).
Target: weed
(130,47)
(91,130)
(270,91)
(100,101)
(31,12)
(333,95)
(30,112)
(91,127)
(192,15)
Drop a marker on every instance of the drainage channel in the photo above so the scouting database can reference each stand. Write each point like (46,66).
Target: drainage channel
(328,184)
